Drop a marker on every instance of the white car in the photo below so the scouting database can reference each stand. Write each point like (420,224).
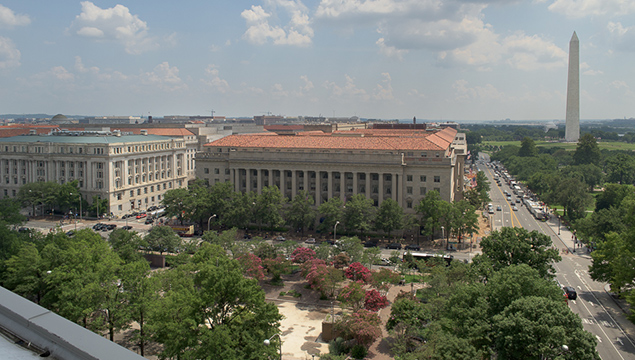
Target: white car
(514,208)
(310,241)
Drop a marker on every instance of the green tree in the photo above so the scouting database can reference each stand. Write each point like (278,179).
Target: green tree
(353,247)
(268,207)
(536,328)
(175,202)
(620,169)
(614,261)
(429,211)
(210,310)
(239,211)
(466,221)
(572,194)
(389,217)
(515,246)
(301,213)
(482,188)
(358,213)
(331,212)
(141,294)
(587,151)
(527,148)
(10,212)
(162,239)
(226,239)
(612,195)
(126,244)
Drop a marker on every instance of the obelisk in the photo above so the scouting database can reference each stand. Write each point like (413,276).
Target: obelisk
(572,128)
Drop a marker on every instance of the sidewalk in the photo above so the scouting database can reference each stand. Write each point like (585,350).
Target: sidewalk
(567,238)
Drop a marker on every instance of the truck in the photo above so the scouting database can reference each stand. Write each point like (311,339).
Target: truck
(183,230)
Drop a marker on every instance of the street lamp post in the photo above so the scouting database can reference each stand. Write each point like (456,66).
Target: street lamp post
(335,230)
(559,224)
(210,219)
(80,204)
(443,235)
(267,342)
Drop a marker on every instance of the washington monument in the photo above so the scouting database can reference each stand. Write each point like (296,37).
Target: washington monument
(572,128)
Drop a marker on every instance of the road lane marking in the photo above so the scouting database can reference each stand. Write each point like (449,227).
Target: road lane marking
(600,340)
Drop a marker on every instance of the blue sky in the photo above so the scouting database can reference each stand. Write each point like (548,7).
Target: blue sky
(433,59)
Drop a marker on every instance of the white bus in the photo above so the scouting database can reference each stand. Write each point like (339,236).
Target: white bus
(427,256)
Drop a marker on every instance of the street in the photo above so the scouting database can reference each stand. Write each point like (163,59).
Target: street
(600,312)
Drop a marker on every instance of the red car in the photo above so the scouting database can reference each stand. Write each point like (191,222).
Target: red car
(142,215)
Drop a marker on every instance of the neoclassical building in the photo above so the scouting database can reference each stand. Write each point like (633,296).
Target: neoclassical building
(131,171)
(399,164)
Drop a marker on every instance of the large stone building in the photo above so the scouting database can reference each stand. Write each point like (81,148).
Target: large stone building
(131,171)
(399,164)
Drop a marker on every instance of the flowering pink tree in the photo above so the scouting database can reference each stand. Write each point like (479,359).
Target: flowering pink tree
(302,254)
(276,267)
(352,295)
(374,301)
(252,266)
(363,325)
(323,278)
(383,278)
(357,271)
(308,265)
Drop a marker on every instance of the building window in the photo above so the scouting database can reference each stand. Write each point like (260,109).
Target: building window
(216,171)
(409,204)
(422,191)
(409,190)
(206,170)
(131,193)
(437,179)
(408,177)
(437,190)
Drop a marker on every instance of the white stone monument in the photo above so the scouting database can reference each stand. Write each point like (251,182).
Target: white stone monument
(572,128)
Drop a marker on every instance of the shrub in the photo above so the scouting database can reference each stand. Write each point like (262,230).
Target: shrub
(374,301)
(362,325)
(338,347)
(302,254)
(357,271)
(352,295)
(358,352)
(252,266)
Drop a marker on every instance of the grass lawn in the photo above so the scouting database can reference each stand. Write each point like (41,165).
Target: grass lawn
(608,145)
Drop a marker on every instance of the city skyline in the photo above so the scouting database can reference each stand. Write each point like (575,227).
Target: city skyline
(433,59)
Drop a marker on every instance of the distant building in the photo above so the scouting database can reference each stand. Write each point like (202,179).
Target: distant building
(131,171)
(112,120)
(399,164)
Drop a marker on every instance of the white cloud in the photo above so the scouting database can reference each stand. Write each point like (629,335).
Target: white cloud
(622,37)
(277,91)
(9,54)
(298,31)
(487,92)
(384,91)
(56,73)
(454,29)
(533,53)
(213,79)
(584,8)
(9,19)
(164,77)
(308,84)
(349,90)
(390,51)
(113,24)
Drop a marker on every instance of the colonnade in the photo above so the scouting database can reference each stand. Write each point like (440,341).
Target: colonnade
(321,184)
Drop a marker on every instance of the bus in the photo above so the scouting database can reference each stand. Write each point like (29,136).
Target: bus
(427,256)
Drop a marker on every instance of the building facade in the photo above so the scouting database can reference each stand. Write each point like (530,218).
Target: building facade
(381,164)
(131,171)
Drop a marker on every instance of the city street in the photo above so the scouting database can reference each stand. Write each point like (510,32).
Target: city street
(601,314)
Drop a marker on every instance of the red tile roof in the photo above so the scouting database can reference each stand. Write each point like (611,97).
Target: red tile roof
(16,130)
(433,141)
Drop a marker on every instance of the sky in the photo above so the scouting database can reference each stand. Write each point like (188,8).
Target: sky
(385,59)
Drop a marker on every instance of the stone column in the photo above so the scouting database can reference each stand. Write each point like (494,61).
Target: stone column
(318,188)
(368,177)
(393,184)
(380,197)
(247,180)
(343,186)
(293,184)
(259,181)
(355,188)
(401,190)
(305,181)
(330,185)
(234,180)
(270,177)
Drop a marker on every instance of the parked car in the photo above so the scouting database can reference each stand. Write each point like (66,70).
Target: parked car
(499,208)
(70,233)
(280,238)
(149,221)
(371,243)
(517,200)
(98,226)
(413,247)
(570,292)
(330,242)
(310,241)
(514,208)
(127,227)
(394,246)
(141,215)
